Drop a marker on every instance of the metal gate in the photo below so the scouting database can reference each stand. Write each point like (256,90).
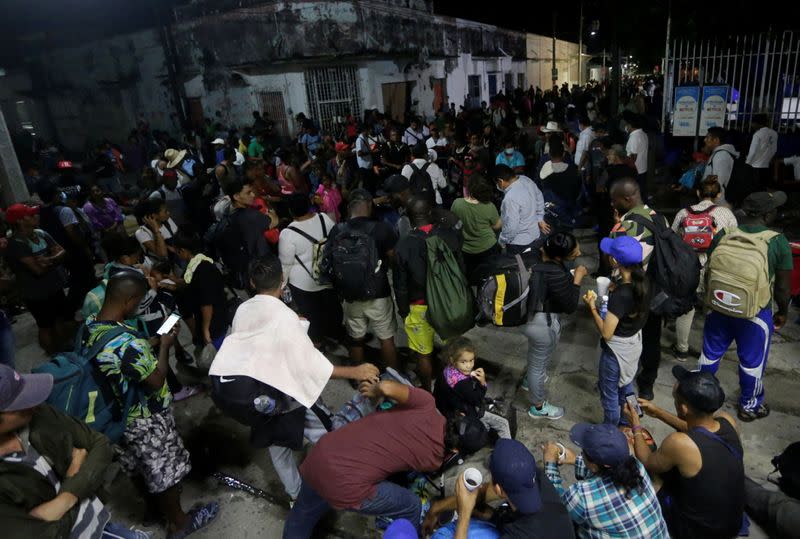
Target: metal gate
(760,70)
(272,103)
(333,92)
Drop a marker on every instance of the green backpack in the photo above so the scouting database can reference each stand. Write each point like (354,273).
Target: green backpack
(451,307)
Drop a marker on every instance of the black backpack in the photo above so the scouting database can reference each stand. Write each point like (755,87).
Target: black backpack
(503,297)
(421,184)
(674,269)
(352,263)
(788,464)
(742,182)
(224,239)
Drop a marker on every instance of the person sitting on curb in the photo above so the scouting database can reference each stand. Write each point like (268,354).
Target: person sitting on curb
(701,483)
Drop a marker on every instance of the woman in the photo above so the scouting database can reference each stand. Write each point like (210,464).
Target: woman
(556,291)
(621,329)
(708,192)
(104,214)
(156,230)
(37,261)
(204,290)
(480,222)
(297,247)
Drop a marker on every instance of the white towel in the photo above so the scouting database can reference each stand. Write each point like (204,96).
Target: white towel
(268,342)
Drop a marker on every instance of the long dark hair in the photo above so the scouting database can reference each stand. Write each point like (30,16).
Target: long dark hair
(641,288)
(625,475)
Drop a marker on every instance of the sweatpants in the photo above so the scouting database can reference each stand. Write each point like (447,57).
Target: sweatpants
(752,338)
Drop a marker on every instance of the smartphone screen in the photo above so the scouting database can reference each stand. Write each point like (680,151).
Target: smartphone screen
(634,404)
(168,324)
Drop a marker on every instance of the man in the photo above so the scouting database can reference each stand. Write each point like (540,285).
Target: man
(410,276)
(73,233)
(627,202)
(396,191)
(511,158)
(437,145)
(218,145)
(268,353)
(561,184)
(701,465)
(172,195)
(151,444)
(763,148)
(582,149)
(51,467)
(349,468)
(522,211)
(637,148)
(395,153)
(612,496)
(794,162)
(413,134)
(752,335)
(225,172)
(536,509)
(373,306)
(250,223)
(255,152)
(721,157)
(420,163)
(364,151)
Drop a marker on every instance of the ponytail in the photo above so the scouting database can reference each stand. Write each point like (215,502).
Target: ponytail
(641,288)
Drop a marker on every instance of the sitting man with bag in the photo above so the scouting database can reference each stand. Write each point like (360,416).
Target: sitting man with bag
(151,444)
(268,375)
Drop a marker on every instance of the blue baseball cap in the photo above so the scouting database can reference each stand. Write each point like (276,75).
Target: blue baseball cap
(514,469)
(603,444)
(625,249)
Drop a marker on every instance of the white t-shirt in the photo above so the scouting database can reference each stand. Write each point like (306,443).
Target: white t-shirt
(437,177)
(584,141)
(168,229)
(794,162)
(432,143)
(292,244)
(762,148)
(637,144)
(362,145)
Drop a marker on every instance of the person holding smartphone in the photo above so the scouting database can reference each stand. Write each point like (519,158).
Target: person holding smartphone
(621,329)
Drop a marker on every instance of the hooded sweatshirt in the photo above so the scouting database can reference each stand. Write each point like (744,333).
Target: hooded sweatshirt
(720,163)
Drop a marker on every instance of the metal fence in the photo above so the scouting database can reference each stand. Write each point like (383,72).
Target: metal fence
(272,103)
(760,70)
(333,93)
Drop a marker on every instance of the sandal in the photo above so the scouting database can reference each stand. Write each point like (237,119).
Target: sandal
(199,517)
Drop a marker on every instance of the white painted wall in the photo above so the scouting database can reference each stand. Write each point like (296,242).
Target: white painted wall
(540,61)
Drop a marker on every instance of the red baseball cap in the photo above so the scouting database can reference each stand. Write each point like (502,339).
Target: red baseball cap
(64,164)
(341,147)
(15,212)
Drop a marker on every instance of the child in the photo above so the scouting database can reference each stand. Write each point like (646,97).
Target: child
(328,198)
(461,389)
(621,329)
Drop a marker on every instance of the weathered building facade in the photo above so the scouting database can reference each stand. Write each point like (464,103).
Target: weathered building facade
(224,59)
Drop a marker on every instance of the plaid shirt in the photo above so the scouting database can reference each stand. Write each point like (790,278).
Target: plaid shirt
(600,509)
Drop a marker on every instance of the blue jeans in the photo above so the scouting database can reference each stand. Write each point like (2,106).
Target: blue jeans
(612,396)
(6,341)
(390,500)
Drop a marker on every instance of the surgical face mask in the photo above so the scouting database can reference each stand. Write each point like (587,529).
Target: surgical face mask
(509,151)
(500,187)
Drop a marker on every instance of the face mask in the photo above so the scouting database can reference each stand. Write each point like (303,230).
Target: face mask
(500,188)
(509,151)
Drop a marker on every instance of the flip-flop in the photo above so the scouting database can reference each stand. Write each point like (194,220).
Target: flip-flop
(199,517)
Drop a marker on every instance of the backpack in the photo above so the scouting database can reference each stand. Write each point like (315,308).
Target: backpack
(788,464)
(82,391)
(742,182)
(698,228)
(451,308)
(737,274)
(502,297)
(674,270)
(421,183)
(353,264)
(317,250)
(224,239)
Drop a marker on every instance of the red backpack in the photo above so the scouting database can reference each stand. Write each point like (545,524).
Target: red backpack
(699,228)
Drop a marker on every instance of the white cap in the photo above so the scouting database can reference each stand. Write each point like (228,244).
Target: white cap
(217,141)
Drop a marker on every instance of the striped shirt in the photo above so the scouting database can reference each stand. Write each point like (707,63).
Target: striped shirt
(92,514)
(602,510)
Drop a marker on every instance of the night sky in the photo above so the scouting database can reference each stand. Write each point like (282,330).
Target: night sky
(641,24)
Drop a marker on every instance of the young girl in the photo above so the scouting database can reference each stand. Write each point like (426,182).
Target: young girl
(621,330)
(461,388)
(328,198)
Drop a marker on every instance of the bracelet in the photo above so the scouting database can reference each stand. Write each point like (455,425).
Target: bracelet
(636,428)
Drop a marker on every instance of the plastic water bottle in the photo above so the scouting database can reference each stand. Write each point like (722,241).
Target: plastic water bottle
(264,404)
(603,307)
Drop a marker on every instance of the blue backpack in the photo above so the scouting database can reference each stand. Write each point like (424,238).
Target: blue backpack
(80,390)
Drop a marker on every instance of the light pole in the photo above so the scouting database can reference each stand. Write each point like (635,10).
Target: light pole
(580,48)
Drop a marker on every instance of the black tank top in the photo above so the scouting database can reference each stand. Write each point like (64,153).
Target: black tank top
(710,504)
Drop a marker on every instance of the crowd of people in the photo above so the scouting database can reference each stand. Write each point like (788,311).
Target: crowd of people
(332,236)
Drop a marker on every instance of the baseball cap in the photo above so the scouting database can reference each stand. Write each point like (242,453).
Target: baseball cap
(763,202)
(64,164)
(603,444)
(401,528)
(700,390)
(341,147)
(514,469)
(22,391)
(217,141)
(627,250)
(359,195)
(15,212)
(396,183)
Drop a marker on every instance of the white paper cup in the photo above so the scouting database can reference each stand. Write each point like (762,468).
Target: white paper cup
(562,452)
(602,286)
(473,478)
